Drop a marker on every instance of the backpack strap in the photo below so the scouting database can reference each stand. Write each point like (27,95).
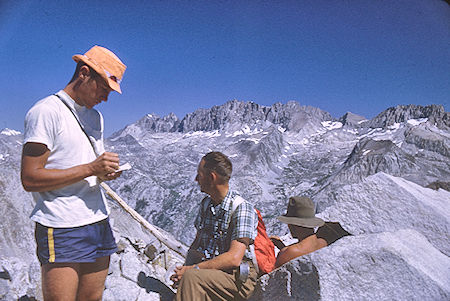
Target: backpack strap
(204,204)
(255,263)
(79,123)
(235,203)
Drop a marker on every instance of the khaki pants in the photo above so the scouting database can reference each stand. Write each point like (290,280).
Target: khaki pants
(210,284)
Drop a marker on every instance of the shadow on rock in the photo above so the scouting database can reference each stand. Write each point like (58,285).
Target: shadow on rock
(294,281)
(152,284)
(5,275)
(27,298)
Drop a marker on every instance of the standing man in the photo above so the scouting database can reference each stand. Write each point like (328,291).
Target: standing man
(223,269)
(63,171)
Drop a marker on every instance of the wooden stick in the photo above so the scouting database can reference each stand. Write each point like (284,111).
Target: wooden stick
(177,247)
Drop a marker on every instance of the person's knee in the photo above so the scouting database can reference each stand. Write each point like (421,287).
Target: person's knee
(90,296)
(90,292)
(191,276)
(92,279)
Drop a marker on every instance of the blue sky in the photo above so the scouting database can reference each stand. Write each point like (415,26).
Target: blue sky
(361,56)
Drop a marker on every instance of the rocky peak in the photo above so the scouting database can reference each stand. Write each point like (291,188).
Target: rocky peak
(435,114)
(290,116)
(351,119)
(155,124)
(221,117)
(150,123)
(369,157)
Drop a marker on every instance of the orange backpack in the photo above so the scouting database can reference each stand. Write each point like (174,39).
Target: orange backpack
(263,247)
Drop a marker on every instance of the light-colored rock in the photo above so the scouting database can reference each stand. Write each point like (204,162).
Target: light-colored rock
(399,265)
(18,279)
(383,203)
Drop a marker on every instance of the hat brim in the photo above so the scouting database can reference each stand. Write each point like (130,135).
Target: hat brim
(112,84)
(303,222)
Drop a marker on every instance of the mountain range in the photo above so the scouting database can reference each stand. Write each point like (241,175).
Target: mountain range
(374,176)
(277,152)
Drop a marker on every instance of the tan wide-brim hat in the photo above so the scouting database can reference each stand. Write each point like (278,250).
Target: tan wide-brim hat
(105,63)
(301,212)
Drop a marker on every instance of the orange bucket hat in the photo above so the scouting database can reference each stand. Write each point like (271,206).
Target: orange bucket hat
(105,63)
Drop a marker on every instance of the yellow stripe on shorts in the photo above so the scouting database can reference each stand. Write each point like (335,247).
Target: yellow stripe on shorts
(51,245)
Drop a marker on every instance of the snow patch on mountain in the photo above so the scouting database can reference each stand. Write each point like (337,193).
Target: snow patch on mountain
(415,122)
(9,132)
(331,125)
(201,134)
(245,130)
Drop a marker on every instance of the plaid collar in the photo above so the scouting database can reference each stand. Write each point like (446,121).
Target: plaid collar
(225,205)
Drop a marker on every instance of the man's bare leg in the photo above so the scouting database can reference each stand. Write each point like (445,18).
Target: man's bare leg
(60,281)
(74,281)
(92,279)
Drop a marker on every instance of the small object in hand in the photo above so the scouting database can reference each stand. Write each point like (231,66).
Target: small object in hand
(123,167)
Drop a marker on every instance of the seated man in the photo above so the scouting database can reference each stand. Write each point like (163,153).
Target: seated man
(301,222)
(212,267)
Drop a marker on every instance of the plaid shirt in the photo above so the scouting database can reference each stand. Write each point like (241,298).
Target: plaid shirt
(214,223)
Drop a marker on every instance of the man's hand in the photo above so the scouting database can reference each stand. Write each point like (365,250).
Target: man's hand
(105,166)
(277,242)
(110,176)
(179,271)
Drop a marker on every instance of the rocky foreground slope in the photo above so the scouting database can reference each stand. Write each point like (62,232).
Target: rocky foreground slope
(398,251)
(370,175)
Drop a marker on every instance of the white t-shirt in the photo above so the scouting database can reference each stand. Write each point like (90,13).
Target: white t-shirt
(50,122)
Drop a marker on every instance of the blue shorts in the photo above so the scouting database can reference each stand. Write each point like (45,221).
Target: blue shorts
(79,244)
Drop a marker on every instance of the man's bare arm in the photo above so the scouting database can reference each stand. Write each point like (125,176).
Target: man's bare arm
(228,260)
(35,177)
(306,246)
